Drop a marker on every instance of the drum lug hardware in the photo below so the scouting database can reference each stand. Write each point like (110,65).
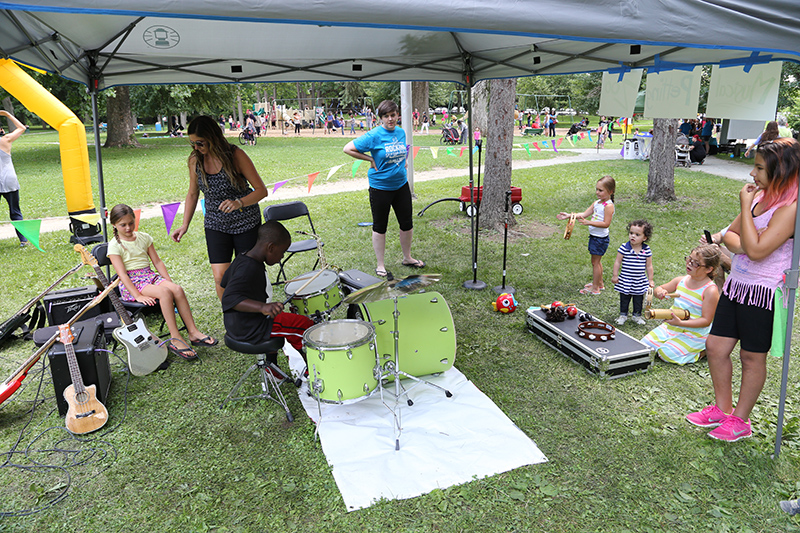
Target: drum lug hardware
(339,394)
(434,300)
(350,353)
(317,386)
(381,322)
(321,355)
(444,329)
(444,361)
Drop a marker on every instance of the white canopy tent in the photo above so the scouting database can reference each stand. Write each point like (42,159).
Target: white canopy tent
(103,43)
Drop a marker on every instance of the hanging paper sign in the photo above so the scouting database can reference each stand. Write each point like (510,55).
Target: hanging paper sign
(672,93)
(736,94)
(30,229)
(276,186)
(619,92)
(311,178)
(169,211)
(332,171)
(356,164)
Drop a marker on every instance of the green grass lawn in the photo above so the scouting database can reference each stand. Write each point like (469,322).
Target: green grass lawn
(621,456)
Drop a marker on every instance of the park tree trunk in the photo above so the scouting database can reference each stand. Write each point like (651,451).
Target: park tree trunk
(661,176)
(120,120)
(419,97)
(497,147)
(479,105)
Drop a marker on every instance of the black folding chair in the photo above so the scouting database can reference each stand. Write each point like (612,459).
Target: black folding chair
(289,211)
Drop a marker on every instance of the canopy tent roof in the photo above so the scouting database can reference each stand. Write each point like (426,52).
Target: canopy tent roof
(195,41)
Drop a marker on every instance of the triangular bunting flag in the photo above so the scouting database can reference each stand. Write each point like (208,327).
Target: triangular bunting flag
(544,143)
(169,211)
(279,185)
(589,133)
(536,145)
(89,218)
(558,143)
(137,214)
(356,164)
(203,204)
(474,149)
(450,152)
(570,140)
(332,171)
(462,151)
(435,152)
(583,135)
(416,151)
(30,229)
(527,148)
(311,178)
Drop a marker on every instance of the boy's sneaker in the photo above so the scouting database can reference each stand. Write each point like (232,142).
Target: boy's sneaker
(791,506)
(710,417)
(732,429)
(621,320)
(638,320)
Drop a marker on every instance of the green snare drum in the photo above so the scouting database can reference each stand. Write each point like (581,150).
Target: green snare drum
(427,339)
(341,360)
(319,298)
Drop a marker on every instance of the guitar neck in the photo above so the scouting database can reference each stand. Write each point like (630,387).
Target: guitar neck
(74,370)
(123,313)
(28,306)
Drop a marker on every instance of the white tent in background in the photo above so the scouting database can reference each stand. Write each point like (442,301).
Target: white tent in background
(103,43)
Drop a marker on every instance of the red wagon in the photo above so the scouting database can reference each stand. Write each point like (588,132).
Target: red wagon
(516,199)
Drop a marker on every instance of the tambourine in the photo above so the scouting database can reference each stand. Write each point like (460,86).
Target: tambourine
(609,331)
(648,298)
(570,226)
(666,314)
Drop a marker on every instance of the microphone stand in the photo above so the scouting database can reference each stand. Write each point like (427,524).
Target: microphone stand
(505,288)
(475,283)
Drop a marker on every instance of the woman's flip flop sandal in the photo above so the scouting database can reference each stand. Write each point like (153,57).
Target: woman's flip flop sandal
(415,264)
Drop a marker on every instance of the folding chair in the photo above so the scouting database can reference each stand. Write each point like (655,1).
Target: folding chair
(289,211)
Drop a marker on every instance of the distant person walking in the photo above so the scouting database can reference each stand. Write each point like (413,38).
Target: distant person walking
(9,184)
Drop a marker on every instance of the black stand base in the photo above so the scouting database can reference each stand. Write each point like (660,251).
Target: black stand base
(477,285)
(507,289)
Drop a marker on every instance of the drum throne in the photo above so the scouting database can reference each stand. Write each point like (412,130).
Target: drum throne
(272,377)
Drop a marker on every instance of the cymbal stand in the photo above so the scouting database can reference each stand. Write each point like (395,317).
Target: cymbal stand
(392,369)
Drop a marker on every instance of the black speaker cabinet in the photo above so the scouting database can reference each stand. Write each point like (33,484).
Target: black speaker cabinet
(62,305)
(89,343)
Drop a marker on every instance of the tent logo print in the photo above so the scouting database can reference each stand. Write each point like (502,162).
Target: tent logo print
(161,37)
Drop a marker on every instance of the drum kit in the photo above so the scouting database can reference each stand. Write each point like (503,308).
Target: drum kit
(353,358)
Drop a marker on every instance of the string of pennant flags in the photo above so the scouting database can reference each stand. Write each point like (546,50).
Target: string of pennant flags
(31,229)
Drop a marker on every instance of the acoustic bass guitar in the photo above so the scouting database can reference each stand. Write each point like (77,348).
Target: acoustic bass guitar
(12,382)
(85,413)
(145,352)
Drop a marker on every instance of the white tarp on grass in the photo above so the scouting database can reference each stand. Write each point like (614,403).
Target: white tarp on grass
(444,441)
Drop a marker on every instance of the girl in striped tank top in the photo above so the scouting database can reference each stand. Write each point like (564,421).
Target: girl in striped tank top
(682,341)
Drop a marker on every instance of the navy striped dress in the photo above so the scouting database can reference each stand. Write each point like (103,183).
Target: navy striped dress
(633,273)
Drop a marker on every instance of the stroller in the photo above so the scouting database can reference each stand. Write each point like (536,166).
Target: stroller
(575,128)
(449,136)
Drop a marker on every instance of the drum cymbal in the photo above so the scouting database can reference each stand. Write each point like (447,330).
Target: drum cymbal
(391,289)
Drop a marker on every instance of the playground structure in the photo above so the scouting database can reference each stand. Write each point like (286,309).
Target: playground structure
(523,103)
(72,146)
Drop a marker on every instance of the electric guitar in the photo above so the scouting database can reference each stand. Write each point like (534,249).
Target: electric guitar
(85,413)
(12,383)
(144,351)
(9,326)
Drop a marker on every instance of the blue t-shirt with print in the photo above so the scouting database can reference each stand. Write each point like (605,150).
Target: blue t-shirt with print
(388,149)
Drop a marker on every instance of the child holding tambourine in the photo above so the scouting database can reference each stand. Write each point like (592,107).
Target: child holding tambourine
(681,340)
(598,217)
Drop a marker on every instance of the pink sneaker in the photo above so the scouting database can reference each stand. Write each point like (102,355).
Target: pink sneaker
(710,417)
(732,429)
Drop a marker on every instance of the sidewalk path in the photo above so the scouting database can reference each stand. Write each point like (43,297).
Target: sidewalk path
(732,169)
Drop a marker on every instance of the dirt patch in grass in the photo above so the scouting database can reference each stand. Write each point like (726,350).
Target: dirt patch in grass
(526,229)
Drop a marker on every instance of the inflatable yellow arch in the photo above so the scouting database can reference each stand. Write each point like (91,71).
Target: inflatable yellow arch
(71,136)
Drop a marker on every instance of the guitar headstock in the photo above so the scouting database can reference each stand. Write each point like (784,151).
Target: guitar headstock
(86,255)
(65,334)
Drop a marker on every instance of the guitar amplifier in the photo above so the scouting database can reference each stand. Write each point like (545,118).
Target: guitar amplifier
(62,305)
(110,322)
(89,344)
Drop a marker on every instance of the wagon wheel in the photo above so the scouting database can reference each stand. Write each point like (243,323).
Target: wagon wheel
(242,140)
(516,208)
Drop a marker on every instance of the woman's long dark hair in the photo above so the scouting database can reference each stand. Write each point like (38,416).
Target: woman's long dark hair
(218,147)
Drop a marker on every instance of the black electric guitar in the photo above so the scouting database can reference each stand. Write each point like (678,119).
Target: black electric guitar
(12,383)
(85,413)
(9,326)
(145,353)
